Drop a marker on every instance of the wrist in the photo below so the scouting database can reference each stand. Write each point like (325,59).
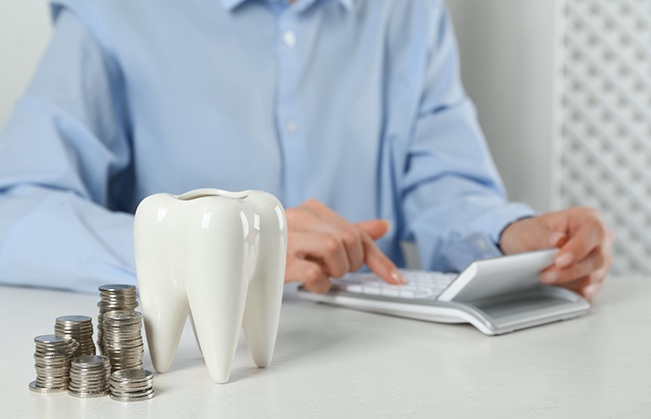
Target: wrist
(508,241)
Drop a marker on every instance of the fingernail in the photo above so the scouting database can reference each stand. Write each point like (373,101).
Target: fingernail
(564,260)
(397,277)
(555,238)
(549,277)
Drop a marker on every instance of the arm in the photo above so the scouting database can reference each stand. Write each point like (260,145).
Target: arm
(454,202)
(64,159)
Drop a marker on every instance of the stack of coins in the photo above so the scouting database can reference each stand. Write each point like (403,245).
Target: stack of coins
(113,297)
(89,376)
(123,342)
(52,358)
(132,385)
(80,328)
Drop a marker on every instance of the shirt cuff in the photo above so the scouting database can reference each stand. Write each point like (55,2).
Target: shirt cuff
(485,244)
(469,249)
(505,217)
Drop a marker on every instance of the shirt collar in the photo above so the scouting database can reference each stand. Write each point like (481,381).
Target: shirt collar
(232,4)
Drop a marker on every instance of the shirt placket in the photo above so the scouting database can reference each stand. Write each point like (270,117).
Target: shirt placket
(288,115)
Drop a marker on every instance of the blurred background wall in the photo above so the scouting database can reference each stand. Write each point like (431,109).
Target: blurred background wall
(509,61)
(562,87)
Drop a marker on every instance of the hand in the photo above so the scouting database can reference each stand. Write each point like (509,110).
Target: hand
(585,245)
(322,244)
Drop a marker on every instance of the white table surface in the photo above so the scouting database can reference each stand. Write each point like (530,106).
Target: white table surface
(333,362)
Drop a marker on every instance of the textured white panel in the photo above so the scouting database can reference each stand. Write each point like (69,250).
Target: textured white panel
(606,120)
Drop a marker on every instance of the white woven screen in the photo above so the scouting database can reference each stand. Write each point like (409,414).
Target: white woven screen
(606,120)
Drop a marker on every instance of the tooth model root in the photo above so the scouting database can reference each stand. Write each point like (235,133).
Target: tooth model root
(219,256)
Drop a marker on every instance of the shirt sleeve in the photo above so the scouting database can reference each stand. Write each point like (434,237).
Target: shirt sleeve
(65,143)
(454,201)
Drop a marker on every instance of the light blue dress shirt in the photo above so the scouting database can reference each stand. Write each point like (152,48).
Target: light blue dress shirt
(357,103)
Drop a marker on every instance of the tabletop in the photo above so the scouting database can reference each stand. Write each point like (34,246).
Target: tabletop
(335,362)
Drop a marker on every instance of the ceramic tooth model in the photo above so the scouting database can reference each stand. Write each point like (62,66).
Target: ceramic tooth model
(220,257)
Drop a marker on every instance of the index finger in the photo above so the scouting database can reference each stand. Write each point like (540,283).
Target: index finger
(379,263)
(578,247)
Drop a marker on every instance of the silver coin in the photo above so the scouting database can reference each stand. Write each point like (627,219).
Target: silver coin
(125,339)
(89,360)
(52,366)
(52,359)
(127,383)
(95,383)
(80,379)
(134,339)
(52,385)
(89,375)
(118,325)
(108,301)
(89,389)
(80,336)
(86,389)
(123,346)
(69,342)
(117,297)
(125,366)
(49,376)
(65,345)
(73,319)
(74,326)
(90,368)
(132,398)
(128,303)
(130,388)
(88,372)
(126,358)
(122,315)
(80,388)
(88,382)
(43,379)
(125,352)
(121,327)
(42,390)
(132,374)
(88,394)
(54,356)
(50,339)
(117,287)
(74,333)
(130,391)
(141,395)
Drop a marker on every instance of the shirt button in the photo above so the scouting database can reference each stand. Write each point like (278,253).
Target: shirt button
(292,126)
(289,38)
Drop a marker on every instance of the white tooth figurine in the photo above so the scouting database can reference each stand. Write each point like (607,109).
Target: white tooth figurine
(220,257)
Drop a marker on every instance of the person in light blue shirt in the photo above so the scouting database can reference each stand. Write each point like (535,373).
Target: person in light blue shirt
(351,112)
